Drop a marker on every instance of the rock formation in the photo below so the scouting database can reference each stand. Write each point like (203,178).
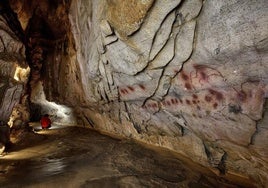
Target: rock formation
(190,76)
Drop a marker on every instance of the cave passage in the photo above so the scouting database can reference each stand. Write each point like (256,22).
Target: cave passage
(130,102)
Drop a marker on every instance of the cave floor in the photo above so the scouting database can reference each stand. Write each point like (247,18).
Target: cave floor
(67,156)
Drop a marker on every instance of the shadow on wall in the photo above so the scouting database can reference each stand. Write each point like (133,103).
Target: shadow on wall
(60,114)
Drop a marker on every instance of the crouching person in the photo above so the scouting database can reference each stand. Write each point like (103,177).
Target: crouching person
(45,122)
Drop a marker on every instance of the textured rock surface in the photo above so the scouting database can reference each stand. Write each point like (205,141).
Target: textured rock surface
(192,77)
(187,75)
(11,81)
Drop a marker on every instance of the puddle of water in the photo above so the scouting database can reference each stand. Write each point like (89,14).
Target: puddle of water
(28,171)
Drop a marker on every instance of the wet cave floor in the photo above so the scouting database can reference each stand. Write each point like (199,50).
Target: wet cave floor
(68,156)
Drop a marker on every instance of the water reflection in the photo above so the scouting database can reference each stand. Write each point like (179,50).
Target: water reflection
(52,167)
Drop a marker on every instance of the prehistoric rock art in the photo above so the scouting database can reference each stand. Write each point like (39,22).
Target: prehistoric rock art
(188,69)
(190,76)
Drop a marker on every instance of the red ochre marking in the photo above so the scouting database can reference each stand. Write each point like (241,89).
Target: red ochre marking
(123,91)
(188,86)
(142,86)
(219,96)
(184,76)
(201,67)
(195,96)
(208,98)
(126,91)
(188,102)
(154,105)
(131,88)
(201,72)
(173,101)
(242,96)
(168,103)
(211,91)
(181,101)
(194,102)
(215,105)
(203,75)
(176,101)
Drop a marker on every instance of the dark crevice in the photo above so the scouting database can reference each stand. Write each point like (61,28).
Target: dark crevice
(12,20)
(252,139)
(90,122)
(157,35)
(222,165)
(143,69)
(135,125)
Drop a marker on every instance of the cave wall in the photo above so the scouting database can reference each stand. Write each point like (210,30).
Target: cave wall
(190,76)
(187,75)
(13,69)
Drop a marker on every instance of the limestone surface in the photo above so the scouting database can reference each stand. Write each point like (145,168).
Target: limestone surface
(189,76)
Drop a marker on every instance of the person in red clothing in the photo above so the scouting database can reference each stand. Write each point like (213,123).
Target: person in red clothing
(45,122)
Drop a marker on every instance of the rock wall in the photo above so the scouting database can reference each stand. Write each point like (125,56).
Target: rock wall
(188,75)
(13,70)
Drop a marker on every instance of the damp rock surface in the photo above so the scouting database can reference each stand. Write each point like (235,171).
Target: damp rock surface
(54,158)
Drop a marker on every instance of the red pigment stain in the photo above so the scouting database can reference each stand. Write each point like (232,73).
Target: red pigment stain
(176,101)
(142,86)
(164,103)
(219,96)
(149,105)
(126,91)
(181,101)
(188,86)
(194,102)
(122,91)
(184,76)
(131,88)
(201,67)
(154,105)
(215,105)
(173,101)
(188,102)
(242,96)
(203,76)
(211,91)
(168,103)
(208,98)
(195,96)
